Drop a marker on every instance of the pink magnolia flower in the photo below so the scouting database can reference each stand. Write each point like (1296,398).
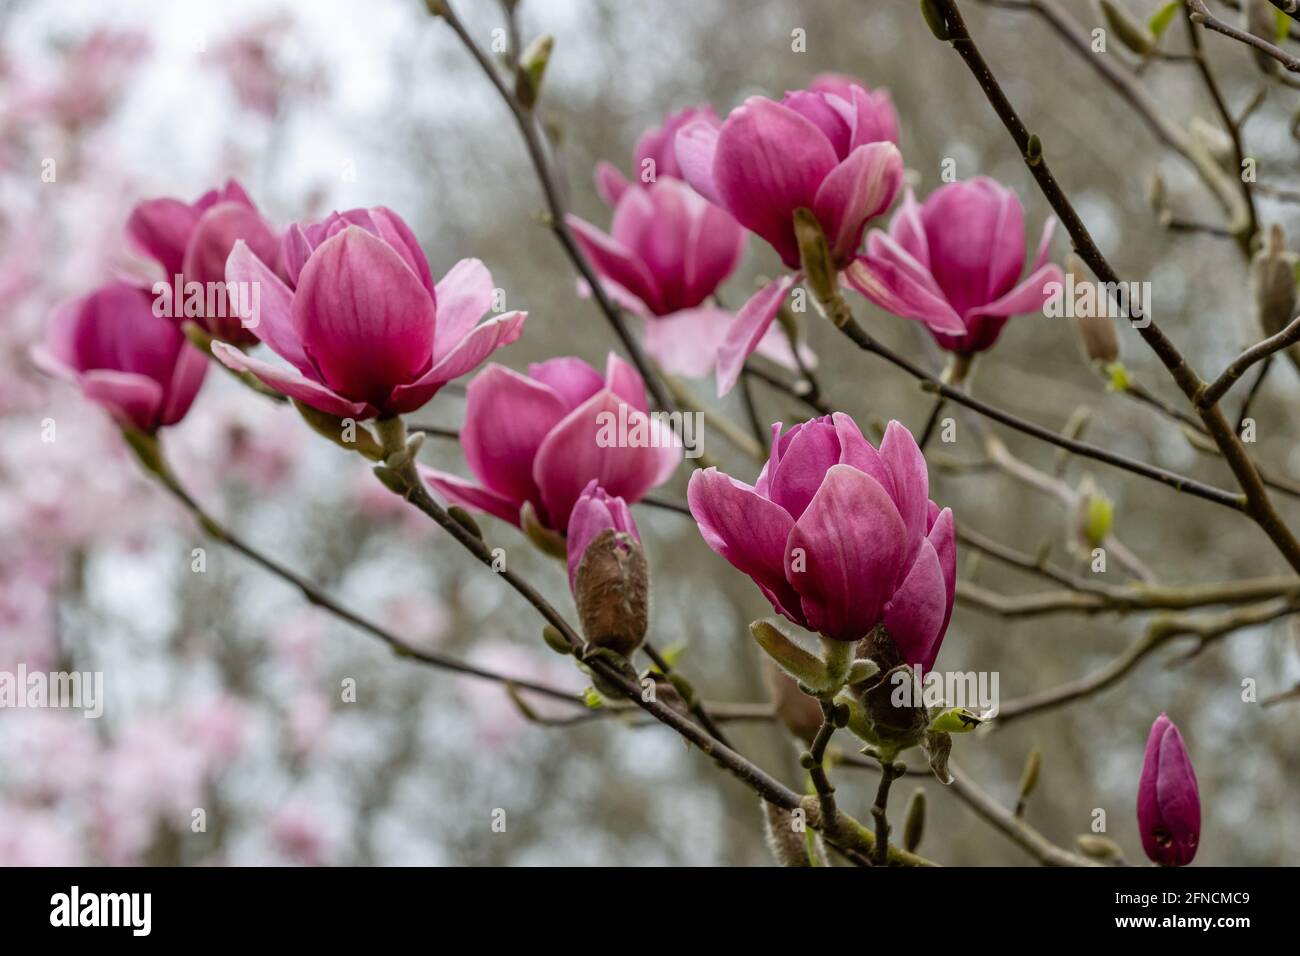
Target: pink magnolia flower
(360,321)
(882,114)
(953,263)
(655,155)
(1169,803)
(814,150)
(669,251)
(539,439)
(136,364)
(819,149)
(838,536)
(595,511)
(193,241)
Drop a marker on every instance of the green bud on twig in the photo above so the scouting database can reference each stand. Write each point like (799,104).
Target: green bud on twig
(914,827)
(465,520)
(1033,149)
(955,720)
(1029,779)
(804,667)
(556,641)
(815,255)
(1130,33)
(351,435)
(531,69)
(1099,848)
(934,19)
(546,540)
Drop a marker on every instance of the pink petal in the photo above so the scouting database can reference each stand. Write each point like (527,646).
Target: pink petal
(463,297)
(273,323)
(497,332)
(748,328)
(363,316)
(696,146)
(571,378)
(187,377)
(861,187)
(747,530)
(894,287)
(458,491)
(626,382)
(969,226)
(714,248)
(291,382)
(160,228)
(687,342)
(854,544)
(572,455)
(615,261)
(135,399)
(610,183)
(805,459)
(770,161)
(911,480)
(915,614)
(507,417)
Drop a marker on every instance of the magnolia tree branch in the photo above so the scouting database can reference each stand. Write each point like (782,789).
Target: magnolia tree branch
(1201,14)
(1242,363)
(1257,504)
(526,119)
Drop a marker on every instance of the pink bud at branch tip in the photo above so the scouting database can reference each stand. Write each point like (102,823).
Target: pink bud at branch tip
(1169,803)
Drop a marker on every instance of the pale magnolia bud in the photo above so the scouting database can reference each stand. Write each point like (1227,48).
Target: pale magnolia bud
(612,592)
(1094,515)
(914,828)
(1128,30)
(1273,276)
(1099,848)
(1096,330)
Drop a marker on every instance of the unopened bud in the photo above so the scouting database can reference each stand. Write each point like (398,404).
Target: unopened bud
(1130,32)
(1273,276)
(1098,847)
(1094,516)
(612,592)
(1029,778)
(556,641)
(815,255)
(465,520)
(1095,328)
(914,828)
(546,540)
(532,67)
(934,19)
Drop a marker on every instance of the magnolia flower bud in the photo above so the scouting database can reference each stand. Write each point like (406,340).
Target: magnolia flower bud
(612,591)
(914,828)
(1096,330)
(1273,276)
(1094,515)
(1099,848)
(1127,30)
(1214,140)
(1169,803)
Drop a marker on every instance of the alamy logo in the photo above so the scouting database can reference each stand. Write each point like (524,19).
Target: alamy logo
(631,428)
(1087,300)
(103,909)
(75,690)
(208,300)
(975,691)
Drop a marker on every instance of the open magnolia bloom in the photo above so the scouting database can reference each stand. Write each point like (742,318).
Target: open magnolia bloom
(193,241)
(818,149)
(840,537)
(954,263)
(364,329)
(1169,802)
(668,251)
(539,439)
(136,364)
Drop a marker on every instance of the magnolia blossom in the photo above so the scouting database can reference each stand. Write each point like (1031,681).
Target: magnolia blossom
(819,149)
(359,319)
(838,536)
(669,251)
(193,241)
(134,363)
(1169,803)
(954,263)
(655,154)
(539,439)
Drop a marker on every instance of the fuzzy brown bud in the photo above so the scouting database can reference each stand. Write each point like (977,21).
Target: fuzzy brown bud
(612,592)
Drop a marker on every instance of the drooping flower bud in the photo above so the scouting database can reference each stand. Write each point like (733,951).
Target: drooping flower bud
(607,571)
(1273,276)
(1169,803)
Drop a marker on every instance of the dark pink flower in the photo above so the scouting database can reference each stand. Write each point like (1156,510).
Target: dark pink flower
(541,438)
(361,323)
(838,536)
(136,364)
(954,263)
(1169,803)
(193,241)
